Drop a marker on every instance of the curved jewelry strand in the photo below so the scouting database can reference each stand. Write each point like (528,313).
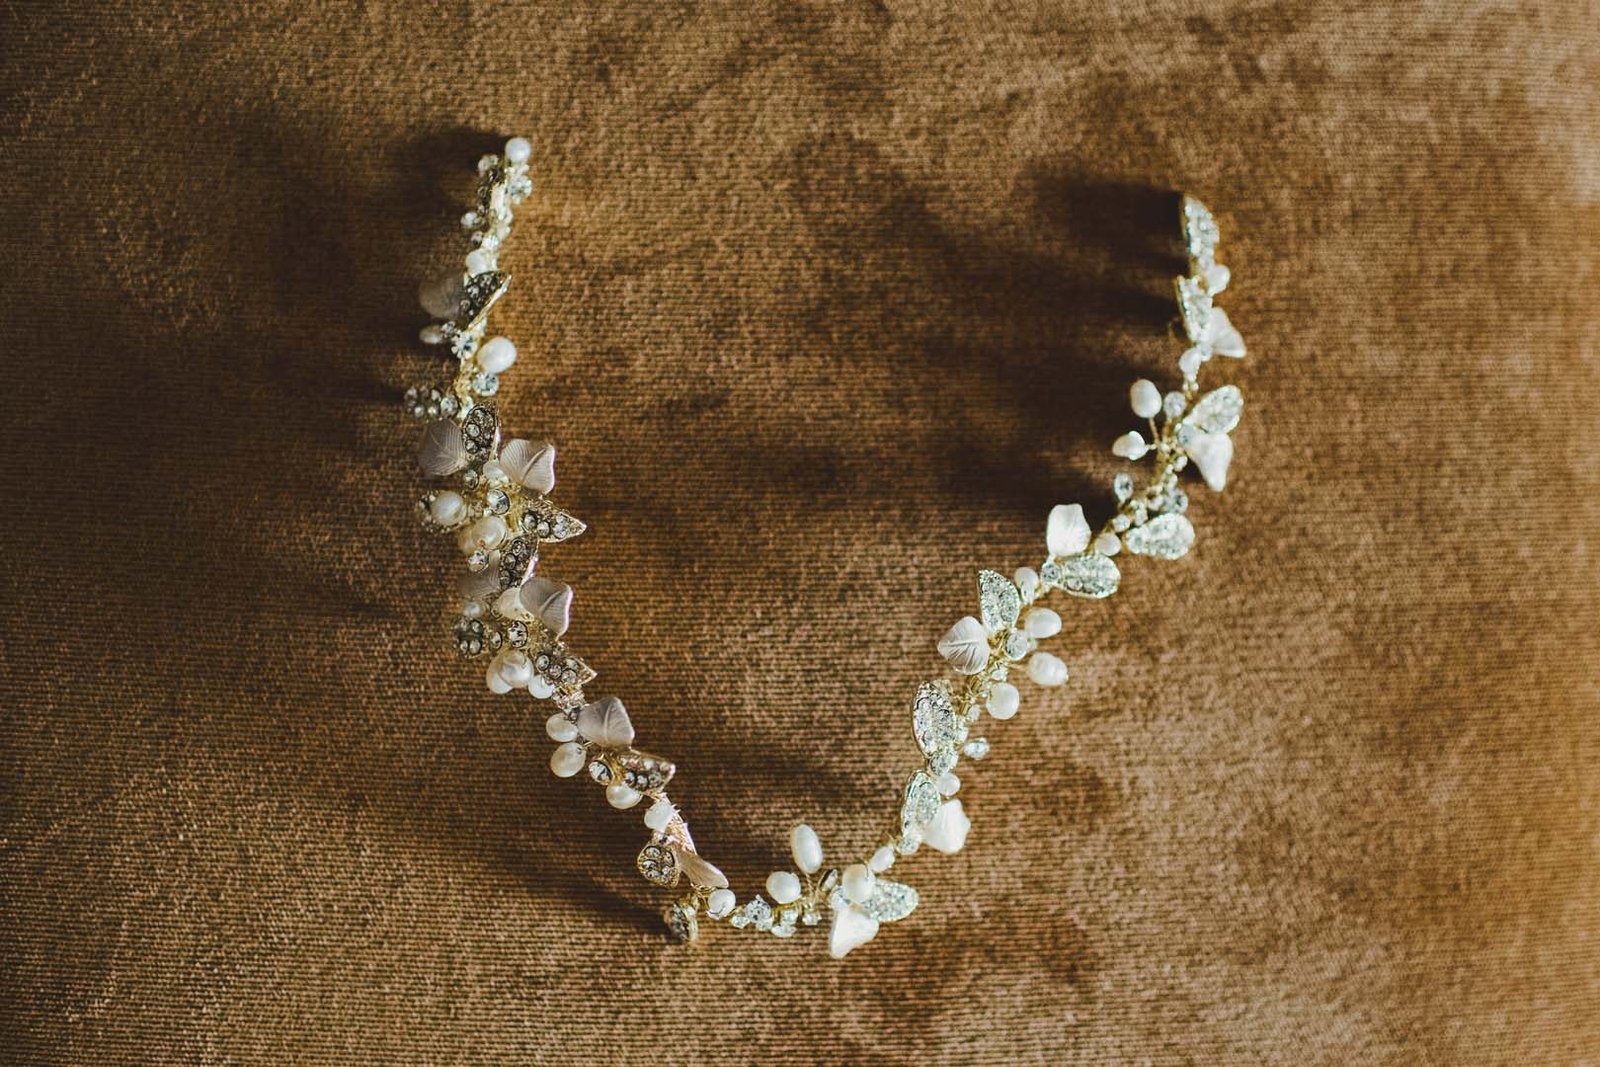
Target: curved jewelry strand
(502,518)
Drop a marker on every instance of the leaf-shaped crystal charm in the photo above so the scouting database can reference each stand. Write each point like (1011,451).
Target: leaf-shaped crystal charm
(920,805)
(1089,575)
(966,645)
(517,558)
(644,772)
(890,901)
(479,294)
(1195,303)
(933,719)
(683,925)
(658,864)
(999,602)
(606,723)
(549,523)
(1163,537)
(564,671)
(480,431)
(1218,411)
(1200,233)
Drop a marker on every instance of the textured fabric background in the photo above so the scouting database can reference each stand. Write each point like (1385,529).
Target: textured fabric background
(825,304)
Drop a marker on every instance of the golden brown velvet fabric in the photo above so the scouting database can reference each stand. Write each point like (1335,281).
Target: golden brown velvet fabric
(825,305)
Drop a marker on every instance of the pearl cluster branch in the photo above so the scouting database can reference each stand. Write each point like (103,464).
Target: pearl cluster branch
(512,615)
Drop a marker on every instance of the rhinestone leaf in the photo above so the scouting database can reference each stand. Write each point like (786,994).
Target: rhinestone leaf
(658,864)
(1088,574)
(645,772)
(1163,537)
(921,804)
(479,295)
(682,923)
(549,523)
(933,719)
(1218,411)
(1200,232)
(1195,303)
(999,602)
(890,901)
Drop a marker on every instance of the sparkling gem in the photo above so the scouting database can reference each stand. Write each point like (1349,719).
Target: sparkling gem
(1087,575)
(1122,486)
(999,601)
(933,719)
(977,748)
(1164,537)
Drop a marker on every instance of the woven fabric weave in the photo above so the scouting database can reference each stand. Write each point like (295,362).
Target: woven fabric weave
(825,305)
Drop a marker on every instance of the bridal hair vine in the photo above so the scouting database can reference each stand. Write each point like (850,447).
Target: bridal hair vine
(515,617)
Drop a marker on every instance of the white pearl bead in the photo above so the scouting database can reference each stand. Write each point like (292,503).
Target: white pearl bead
(448,508)
(949,784)
(858,882)
(660,815)
(497,354)
(1108,544)
(567,759)
(1146,398)
(1041,623)
(1130,445)
(882,859)
(541,689)
(514,667)
(1046,669)
(478,261)
(1003,700)
(489,531)
(807,849)
(720,903)
(1027,580)
(560,728)
(518,149)
(622,797)
(496,684)
(431,334)
(783,886)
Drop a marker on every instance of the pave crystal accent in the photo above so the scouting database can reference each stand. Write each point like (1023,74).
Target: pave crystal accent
(1087,574)
(890,901)
(659,864)
(933,719)
(1216,412)
(1163,537)
(999,602)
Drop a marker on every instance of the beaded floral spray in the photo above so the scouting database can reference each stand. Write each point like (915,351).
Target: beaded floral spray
(516,617)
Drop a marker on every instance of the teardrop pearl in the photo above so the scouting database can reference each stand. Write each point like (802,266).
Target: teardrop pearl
(949,784)
(858,882)
(807,849)
(489,531)
(720,903)
(560,728)
(1003,700)
(660,815)
(784,886)
(496,684)
(1130,446)
(567,760)
(497,354)
(514,667)
(1146,398)
(1047,670)
(622,797)
(882,859)
(1027,580)
(448,508)
(518,149)
(1041,623)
